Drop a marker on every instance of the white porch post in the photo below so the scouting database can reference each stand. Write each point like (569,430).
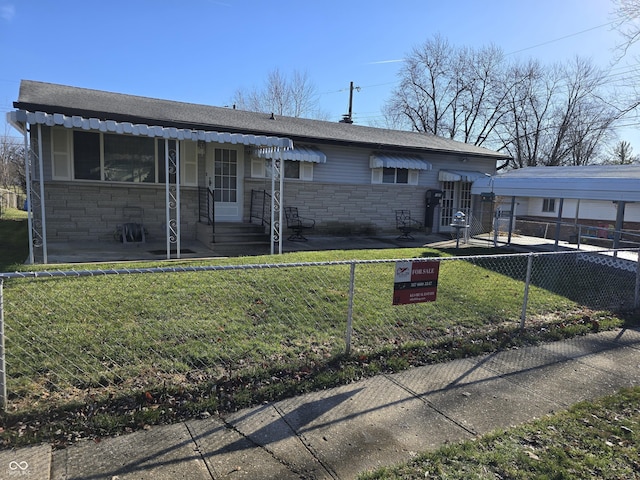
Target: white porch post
(172,193)
(276,200)
(177,166)
(43,218)
(281,197)
(27,174)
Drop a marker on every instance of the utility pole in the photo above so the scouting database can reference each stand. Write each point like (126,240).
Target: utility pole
(348,118)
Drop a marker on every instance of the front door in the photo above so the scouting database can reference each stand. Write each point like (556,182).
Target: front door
(456,196)
(225,171)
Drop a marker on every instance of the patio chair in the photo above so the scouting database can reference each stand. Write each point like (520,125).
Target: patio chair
(297,224)
(132,230)
(406,224)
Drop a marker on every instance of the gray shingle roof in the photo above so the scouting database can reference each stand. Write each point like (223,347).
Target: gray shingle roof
(54,98)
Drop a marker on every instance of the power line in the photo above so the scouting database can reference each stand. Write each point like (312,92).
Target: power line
(562,38)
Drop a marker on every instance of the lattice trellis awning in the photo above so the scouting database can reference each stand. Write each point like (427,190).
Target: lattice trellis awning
(460,175)
(300,153)
(172,133)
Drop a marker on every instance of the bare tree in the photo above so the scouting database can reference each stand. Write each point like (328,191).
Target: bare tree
(626,13)
(11,163)
(294,97)
(622,154)
(449,92)
(558,115)
(459,93)
(426,90)
(529,105)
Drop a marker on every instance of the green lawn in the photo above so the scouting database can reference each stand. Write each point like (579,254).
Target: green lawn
(596,440)
(91,356)
(13,239)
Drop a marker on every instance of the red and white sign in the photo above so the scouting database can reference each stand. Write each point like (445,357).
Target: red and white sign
(415,281)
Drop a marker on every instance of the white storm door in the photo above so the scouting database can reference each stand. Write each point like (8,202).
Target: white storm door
(225,173)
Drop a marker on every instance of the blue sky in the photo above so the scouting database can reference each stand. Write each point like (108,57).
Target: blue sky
(202,51)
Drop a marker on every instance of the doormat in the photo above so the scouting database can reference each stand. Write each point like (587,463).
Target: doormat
(173,251)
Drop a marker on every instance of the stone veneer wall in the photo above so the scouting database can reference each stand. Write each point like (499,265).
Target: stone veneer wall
(91,212)
(345,209)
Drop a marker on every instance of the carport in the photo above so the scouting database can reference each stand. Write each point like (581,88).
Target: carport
(619,184)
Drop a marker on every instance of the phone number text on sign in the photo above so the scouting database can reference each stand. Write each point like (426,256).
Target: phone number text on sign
(415,281)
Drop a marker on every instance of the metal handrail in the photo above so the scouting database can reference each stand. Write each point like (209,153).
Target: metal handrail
(207,208)
(260,207)
(211,213)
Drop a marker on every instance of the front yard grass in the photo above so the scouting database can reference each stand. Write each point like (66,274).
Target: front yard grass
(14,243)
(103,355)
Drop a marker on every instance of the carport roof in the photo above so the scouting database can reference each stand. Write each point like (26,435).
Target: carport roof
(594,182)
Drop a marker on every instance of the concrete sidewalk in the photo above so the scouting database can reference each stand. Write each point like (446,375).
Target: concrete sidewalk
(338,433)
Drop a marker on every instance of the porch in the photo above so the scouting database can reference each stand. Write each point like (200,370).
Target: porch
(112,251)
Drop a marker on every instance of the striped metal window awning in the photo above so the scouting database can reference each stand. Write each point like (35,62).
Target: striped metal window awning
(382,160)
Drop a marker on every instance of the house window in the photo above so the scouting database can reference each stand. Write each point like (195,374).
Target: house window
(398,176)
(549,205)
(118,158)
(129,159)
(395,175)
(291,169)
(86,155)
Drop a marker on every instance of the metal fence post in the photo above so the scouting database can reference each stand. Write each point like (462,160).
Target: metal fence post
(3,369)
(525,300)
(350,309)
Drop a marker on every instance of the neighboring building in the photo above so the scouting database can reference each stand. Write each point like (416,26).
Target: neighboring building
(109,158)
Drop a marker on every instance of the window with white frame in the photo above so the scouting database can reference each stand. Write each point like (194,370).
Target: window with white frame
(81,155)
(294,170)
(129,159)
(549,205)
(399,176)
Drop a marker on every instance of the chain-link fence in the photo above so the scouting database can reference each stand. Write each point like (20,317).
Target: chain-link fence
(92,340)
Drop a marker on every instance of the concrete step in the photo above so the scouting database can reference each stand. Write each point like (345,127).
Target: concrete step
(233,234)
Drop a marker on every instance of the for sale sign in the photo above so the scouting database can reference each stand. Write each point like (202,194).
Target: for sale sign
(415,282)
